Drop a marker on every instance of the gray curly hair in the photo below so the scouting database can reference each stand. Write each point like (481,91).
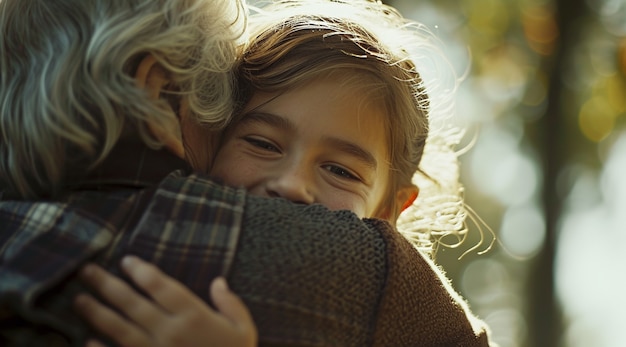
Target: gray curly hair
(66,79)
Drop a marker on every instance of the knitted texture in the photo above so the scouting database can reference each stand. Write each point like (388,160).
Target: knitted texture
(419,307)
(324,289)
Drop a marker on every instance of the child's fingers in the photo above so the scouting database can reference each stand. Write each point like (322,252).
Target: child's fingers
(109,323)
(166,291)
(231,306)
(123,297)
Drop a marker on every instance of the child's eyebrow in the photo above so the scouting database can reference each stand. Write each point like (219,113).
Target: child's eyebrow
(352,149)
(269,119)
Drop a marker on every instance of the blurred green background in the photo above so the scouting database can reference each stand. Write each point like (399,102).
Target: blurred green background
(544,93)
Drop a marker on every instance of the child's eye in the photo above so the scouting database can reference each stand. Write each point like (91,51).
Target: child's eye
(265,145)
(339,171)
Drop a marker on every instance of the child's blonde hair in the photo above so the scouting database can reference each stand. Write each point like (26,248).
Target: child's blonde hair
(66,79)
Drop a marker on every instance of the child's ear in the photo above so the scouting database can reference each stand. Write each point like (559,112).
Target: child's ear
(151,77)
(405,197)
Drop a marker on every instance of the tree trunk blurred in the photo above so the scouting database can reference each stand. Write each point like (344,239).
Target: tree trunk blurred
(546,325)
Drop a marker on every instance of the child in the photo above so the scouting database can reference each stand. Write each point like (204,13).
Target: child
(332,113)
(327,121)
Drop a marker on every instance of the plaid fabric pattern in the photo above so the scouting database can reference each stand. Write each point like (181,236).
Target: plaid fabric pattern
(187,225)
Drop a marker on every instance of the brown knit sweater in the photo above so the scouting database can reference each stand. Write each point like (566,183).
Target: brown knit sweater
(341,281)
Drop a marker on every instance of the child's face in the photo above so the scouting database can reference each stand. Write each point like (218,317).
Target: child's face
(319,143)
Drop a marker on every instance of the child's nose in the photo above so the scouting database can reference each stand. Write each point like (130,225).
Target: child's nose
(293,185)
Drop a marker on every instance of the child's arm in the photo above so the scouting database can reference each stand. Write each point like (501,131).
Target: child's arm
(174,317)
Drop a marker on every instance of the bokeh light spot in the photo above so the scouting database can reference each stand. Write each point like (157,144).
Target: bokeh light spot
(596,118)
(489,17)
(540,28)
(523,230)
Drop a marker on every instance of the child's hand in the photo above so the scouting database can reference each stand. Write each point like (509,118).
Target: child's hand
(175,317)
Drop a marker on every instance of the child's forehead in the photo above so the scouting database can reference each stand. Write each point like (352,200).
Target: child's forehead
(355,80)
(358,87)
(355,87)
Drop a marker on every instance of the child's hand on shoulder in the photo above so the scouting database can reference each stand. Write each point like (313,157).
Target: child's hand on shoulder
(174,316)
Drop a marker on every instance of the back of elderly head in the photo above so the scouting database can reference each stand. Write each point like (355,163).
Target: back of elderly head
(67,87)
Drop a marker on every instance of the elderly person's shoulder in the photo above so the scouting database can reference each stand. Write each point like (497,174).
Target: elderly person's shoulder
(304,268)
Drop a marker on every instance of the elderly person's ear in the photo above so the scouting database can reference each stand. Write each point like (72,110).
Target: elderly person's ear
(151,77)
